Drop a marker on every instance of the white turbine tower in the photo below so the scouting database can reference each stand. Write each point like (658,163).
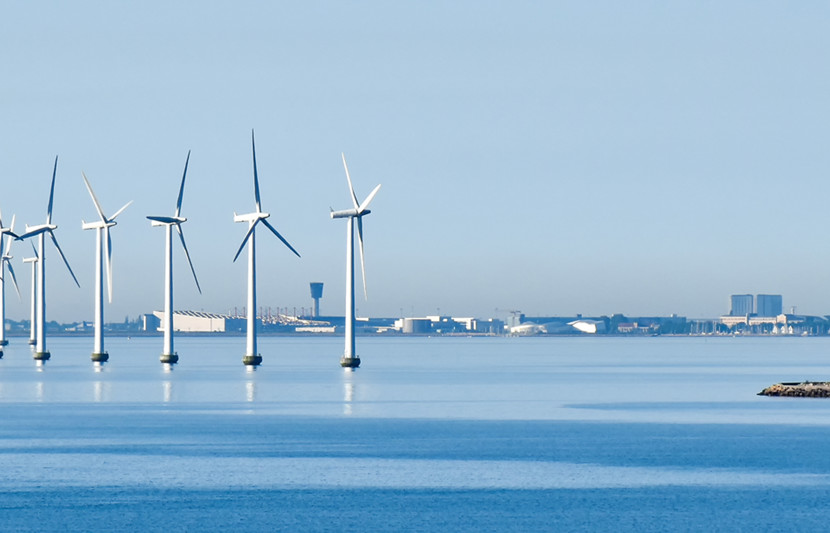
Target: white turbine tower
(350,359)
(5,261)
(40,231)
(32,314)
(168,356)
(103,252)
(252,358)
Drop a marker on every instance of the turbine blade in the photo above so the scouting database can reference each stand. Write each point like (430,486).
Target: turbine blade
(55,242)
(108,260)
(181,189)
(1,219)
(349,179)
(245,240)
(113,217)
(362,263)
(256,178)
(34,250)
(14,280)
(11,238)
(52,193)
(368,200)
(280,237)
(94,199)
(187,255)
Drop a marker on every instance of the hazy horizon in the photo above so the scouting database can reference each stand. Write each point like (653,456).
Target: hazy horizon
(557,158)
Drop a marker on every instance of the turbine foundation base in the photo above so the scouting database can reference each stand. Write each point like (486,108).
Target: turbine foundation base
(169,358)
(349,362)
(102,357)
(41,356)
(252,360)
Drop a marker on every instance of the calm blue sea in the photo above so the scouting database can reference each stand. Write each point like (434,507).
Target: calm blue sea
(431,434)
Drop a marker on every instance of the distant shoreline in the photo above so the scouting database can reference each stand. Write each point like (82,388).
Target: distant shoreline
(393,334)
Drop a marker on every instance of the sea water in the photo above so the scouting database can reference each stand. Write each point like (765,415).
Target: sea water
(430,434)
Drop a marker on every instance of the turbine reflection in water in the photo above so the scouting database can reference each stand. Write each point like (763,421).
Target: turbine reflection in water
(348,390)
(100,391)
(250,390)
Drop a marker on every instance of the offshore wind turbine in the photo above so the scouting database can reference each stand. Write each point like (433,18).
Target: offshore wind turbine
(40,231)
(251,357)
(103,252)
(168,356)
(5,261)
(350,359)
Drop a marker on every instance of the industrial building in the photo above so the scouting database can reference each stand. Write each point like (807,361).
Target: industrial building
(742,305)
(764,305)
(197,321)
(768,305)
(448,325)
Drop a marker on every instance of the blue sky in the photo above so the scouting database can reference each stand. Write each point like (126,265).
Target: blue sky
(553,157)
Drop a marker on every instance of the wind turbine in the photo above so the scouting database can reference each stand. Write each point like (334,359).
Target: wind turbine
(40,230)
(350,359)
(252,358)
(102,240)
(168,356)
(5,260)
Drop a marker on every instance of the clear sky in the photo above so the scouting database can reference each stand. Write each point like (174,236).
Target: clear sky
(553,157)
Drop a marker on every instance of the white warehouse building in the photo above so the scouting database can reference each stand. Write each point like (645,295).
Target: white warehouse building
(198,321)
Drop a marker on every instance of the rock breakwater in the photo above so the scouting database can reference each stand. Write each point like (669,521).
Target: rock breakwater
(806,389)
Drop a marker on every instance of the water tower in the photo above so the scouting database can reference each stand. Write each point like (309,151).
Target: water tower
(316,294)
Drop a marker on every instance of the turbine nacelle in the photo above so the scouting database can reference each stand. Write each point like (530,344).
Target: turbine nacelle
(251,217)
(97,225)
(32,231)
(346,213)
(165,221)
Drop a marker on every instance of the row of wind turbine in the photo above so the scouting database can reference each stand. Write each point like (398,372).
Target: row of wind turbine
(103,262)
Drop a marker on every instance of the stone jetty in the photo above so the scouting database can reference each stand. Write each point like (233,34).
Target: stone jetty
(806,389)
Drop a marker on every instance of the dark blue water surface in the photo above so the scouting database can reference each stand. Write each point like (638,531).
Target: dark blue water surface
(560,434)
